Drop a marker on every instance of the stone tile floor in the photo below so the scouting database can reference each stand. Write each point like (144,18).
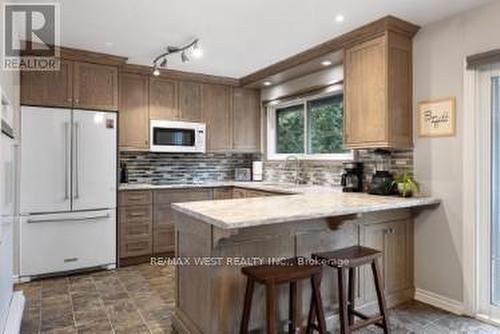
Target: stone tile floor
(140,299)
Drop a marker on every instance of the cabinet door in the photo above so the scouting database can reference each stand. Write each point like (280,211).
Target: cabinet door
(134,115)
(190,101)
(95,86)
(223,193)
(163,99)
(394,239)
(366,117)
(48,88)
(246,120)
(216,103)
(164,239)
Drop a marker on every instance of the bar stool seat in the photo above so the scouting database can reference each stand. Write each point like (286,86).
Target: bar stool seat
(288,272)
(346,260)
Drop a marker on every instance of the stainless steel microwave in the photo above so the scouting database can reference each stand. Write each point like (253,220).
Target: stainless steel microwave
(170,136)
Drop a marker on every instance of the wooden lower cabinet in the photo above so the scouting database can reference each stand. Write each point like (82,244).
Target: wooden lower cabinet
(395,240)
(164,239)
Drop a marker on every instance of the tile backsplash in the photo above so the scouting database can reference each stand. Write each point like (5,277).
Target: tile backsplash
(169,168)
(329,172)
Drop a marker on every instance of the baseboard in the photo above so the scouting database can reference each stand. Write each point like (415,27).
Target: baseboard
(439,301)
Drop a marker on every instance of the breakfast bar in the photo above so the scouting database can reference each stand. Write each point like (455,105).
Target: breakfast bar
(220,237)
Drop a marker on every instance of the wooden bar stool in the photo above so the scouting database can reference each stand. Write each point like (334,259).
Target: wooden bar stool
(273,275)
(346,261)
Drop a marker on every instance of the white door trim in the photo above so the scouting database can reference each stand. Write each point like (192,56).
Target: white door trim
(476,193)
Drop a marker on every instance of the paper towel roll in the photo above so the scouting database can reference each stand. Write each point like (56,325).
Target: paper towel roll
(257,169)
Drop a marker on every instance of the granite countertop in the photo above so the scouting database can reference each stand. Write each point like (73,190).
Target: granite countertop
(251,212)
(288,188)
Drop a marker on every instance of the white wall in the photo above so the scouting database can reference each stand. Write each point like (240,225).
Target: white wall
(440,50)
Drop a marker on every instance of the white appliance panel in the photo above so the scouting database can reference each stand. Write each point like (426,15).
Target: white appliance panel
(45,160)
(94,160)
(63,242)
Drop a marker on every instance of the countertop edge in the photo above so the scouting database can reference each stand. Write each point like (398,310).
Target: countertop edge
(421,202)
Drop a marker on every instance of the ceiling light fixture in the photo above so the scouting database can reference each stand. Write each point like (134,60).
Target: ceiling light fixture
(267,83)
(192,49)
(339,18)
(326,63)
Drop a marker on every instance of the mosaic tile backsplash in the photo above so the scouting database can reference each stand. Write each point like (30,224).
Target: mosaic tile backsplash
(330,172)
(171,168)
(168,168)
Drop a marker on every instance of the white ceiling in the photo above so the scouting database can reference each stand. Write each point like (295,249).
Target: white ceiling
(238,36)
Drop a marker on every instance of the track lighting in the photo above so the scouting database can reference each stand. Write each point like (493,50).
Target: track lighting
(192,49)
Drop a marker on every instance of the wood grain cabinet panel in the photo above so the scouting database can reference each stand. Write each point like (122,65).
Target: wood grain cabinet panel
(95,86)
(134,112)
(216,113)
(164,240)
(163,104)
(378,93)
(223,193)
(395,240)
(135,197)
(246,120)
(190,101)
(136,247)
(48,88)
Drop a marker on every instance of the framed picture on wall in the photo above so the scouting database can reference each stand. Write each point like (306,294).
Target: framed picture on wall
(437,118)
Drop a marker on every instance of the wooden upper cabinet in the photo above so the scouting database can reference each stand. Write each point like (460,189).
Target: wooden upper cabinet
(95,86)
(134,114)
(216,113)
(48,88)
(378,93)
(163,99)
(190,101)
(246,120)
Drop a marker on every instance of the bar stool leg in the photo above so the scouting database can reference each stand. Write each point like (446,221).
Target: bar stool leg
(270,308)
(352,294)
(247,306)
(312,313)
(292,308)
(316,287)
(380,296)
(343,311)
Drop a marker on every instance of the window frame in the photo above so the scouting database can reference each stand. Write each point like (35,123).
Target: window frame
(271,130)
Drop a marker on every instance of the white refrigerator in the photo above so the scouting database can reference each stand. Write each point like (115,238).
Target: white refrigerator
(67,190)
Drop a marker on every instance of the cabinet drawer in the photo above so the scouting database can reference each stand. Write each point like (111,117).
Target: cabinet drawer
(163,215)
(164,239)
(130,214)
(136,197)
(223,193)
(181,195)
(136,229)
(136,247)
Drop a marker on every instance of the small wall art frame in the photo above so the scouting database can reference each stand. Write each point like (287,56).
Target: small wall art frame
(437,117)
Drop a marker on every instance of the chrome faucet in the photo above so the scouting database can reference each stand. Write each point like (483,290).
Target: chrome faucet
(296,179)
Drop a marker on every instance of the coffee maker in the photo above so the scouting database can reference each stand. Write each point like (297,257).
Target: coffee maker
(352,178)
(382,180)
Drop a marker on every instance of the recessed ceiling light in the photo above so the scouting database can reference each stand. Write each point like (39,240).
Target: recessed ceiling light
(267,83)
(339,18)
(326,63)
(109,44)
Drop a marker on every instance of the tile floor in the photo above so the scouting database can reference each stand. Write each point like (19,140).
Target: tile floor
(140,299)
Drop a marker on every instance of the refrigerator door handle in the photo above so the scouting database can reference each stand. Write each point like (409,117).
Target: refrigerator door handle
(76,169)
(66,160)
(31,221)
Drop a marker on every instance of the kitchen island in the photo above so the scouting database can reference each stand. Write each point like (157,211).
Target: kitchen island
(219,237)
